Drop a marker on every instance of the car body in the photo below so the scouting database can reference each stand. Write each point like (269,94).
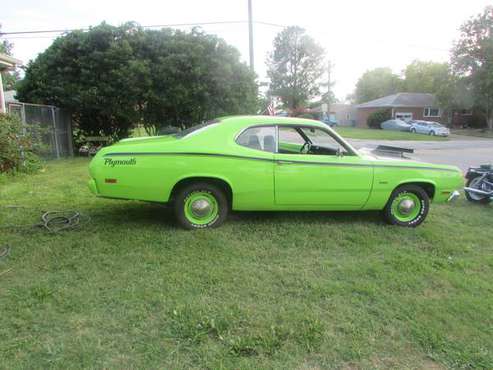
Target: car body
(261,163)
(429,128)
(329,121)
(395,125)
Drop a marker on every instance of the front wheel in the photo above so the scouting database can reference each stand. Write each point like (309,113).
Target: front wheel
(413,130)
(408,205)
(432,133)
(200,205)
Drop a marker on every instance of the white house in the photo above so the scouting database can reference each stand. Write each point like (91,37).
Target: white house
(6,63)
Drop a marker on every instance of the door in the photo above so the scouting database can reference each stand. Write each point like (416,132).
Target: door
(313,169)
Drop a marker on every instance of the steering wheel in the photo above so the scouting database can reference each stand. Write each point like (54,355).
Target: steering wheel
(306,147)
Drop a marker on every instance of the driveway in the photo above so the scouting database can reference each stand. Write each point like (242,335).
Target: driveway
(460,151)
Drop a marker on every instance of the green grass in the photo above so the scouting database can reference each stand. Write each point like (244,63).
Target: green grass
(267,290)
(364,133)
(484,133)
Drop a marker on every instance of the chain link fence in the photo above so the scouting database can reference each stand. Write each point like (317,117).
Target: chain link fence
(52,127)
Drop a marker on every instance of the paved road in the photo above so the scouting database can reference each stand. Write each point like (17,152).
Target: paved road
(460,151)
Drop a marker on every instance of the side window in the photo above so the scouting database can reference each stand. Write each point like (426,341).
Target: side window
(308,140)
(290,140)
(260,138)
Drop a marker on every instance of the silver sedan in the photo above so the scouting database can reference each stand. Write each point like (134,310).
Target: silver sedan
(429,128)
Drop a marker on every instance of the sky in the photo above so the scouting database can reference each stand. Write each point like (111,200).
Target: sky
(357,35)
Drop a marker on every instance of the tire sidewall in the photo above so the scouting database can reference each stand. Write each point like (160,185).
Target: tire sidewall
(187,192)
(485,200)
(424,202)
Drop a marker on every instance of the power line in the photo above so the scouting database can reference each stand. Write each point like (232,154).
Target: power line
(3,34)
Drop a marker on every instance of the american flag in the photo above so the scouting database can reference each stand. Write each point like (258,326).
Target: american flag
(270,109)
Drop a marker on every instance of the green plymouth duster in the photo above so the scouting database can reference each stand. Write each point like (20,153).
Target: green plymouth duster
(267,163)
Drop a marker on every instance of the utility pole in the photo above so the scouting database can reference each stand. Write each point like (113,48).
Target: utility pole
(250,34)
(329,71)
(329,82)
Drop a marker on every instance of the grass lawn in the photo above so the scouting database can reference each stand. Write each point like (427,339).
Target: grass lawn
(474,132)
(364,133)
(267,290)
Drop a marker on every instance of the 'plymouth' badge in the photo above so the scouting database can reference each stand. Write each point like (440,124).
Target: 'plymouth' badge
(120,162)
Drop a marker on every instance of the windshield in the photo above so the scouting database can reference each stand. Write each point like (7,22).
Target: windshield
(195,128)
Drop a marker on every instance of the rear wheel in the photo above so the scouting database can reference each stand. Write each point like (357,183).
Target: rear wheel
(413,130)
(408,205)
(432,133)
(475,183)
(200,205)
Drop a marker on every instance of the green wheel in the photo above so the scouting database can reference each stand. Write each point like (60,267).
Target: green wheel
(200,205)
(408,206)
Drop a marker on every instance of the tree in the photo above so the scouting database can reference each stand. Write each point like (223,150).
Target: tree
(472,59)
(295,67)
(111,78)
(435,78)
(376,83)
(195,77)
(8,78)
(426,77)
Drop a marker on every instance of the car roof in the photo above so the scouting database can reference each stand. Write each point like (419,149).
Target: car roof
(245,121)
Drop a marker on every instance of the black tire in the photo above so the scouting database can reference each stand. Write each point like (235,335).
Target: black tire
(424,203)
(182,196)
(485,200)
(413,130)
(432,133)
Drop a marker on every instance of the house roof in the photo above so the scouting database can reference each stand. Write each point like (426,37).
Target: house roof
(7,62)
(402,100)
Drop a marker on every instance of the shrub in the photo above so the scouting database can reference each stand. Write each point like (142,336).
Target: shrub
(16,146)
(376,118)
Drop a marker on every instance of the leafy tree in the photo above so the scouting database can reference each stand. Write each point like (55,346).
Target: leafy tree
(295,67)
(9,78)
(426,77)
(376,83)
(195,77)
(111,78)
(438,79)
(472,59)
(376,118)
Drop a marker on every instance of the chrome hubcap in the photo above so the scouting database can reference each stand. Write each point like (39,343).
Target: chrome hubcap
(406,206)
(201,207)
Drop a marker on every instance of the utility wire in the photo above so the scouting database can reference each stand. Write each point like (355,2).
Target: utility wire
(2,34)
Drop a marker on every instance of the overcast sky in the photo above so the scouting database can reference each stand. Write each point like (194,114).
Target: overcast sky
(357,35)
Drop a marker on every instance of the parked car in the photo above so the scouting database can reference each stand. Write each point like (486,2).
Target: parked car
(267,163)
(429,128)
(329,121)
(395,125)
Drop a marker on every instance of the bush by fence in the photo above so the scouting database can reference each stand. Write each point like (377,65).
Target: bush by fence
(17,146)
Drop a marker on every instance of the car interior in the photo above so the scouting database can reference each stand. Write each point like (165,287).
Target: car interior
(292,140)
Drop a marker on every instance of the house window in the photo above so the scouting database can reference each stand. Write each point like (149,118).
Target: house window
(431,112)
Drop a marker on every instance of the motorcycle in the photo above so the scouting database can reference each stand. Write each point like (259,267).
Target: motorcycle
(479,186)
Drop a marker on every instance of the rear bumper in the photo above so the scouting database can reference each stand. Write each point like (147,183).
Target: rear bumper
(92,186)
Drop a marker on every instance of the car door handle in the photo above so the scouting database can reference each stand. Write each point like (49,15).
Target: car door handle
(280,163)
